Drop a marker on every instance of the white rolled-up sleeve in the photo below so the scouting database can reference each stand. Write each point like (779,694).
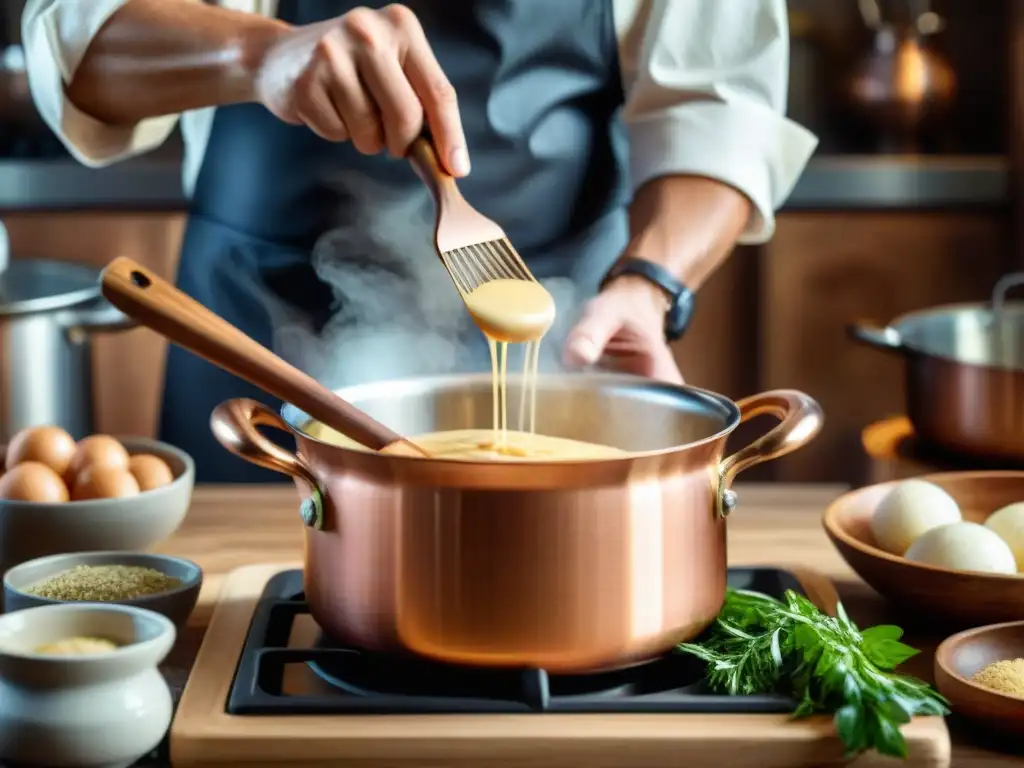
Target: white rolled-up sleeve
(56,34)
(705,84)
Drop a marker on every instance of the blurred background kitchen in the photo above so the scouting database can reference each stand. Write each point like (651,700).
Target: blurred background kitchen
(911,202)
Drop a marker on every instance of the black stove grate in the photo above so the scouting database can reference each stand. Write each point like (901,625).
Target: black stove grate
(363,683)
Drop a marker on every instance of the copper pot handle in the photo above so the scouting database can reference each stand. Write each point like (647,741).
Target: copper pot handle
(800,420)
(234,424)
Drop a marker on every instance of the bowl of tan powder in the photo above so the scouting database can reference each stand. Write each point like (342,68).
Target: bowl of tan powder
(80,684)
(161,583)
(981,672)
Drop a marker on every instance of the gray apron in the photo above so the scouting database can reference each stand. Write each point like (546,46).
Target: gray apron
(325,255)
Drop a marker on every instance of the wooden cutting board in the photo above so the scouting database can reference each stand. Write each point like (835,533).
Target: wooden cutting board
(205,735)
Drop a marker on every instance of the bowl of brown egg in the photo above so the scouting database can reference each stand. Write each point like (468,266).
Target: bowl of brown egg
(99,493)
(161,583)
(949,546)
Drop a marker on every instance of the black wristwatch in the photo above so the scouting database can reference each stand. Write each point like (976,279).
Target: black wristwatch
(680,310)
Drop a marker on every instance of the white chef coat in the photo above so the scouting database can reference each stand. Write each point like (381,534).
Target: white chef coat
(705,84)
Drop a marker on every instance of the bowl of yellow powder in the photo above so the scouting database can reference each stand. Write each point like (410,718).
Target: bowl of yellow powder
(80,685)
(161,583)
(981,672)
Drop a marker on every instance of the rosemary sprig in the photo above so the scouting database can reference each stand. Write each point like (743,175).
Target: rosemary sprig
(826,664)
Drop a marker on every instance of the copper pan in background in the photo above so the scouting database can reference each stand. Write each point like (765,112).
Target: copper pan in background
(569,566)
(964,373)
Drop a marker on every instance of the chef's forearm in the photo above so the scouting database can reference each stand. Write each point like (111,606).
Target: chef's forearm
(160,57)
(687,224)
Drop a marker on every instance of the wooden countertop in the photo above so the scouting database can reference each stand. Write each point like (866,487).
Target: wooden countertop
(233,526)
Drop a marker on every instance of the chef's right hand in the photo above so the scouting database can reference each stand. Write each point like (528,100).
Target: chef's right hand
(367,76)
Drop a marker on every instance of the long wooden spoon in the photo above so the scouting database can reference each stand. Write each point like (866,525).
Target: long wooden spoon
(158,305)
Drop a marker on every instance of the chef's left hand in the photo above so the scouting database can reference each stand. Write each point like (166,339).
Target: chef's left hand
(623,328)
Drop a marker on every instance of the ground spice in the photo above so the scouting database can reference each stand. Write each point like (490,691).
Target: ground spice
(104,583)
(1003,676)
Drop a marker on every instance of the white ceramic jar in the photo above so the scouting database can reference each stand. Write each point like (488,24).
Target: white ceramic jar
(97,710)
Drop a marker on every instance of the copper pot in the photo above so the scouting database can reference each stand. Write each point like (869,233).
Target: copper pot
(965,373)
(573,567)
(902,88)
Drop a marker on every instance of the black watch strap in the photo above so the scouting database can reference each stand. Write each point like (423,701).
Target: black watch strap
(681,298)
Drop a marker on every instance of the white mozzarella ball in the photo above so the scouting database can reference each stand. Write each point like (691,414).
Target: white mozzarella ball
(1008,523)
(909,510)
(963,547)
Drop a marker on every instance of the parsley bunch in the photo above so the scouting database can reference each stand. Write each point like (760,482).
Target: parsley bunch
(759,644)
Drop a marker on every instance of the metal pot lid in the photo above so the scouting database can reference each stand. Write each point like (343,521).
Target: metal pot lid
(37,285)
(973,334)
(990,334)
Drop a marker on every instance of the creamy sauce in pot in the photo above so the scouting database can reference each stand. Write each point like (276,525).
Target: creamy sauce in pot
(480,445)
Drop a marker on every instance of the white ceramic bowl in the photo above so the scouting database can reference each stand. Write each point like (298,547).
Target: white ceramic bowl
(102,710)
(31,529)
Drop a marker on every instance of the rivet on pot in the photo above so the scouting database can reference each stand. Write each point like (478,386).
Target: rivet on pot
(727,501)
(312,511)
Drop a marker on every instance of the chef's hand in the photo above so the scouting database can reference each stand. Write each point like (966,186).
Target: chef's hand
(367,76)
(623,328)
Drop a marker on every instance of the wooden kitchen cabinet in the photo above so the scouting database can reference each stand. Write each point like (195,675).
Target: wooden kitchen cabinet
(823,270)
(719,350)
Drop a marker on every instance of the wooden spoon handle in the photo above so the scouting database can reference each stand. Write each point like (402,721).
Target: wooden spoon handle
(157,304)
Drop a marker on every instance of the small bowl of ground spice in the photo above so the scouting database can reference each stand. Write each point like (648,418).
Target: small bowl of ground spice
(981,672)
(161,583)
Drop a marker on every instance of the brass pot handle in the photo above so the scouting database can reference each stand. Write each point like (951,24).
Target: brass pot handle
(800,420)
(234,424)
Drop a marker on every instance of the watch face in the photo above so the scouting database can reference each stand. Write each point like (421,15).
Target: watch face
(677,319)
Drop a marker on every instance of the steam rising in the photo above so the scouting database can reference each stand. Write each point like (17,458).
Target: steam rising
(397,313)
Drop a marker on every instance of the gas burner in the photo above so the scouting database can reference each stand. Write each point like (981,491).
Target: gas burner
(360,674)
(350,681)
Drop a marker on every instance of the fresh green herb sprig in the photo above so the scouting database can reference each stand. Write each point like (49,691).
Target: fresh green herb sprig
(759,644)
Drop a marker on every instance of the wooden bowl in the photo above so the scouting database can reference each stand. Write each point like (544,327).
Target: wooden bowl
(961,656)
(959,597)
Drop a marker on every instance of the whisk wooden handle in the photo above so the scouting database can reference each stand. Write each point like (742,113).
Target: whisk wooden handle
(157,304)
(424,160)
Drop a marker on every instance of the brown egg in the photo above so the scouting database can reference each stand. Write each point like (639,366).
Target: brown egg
(149,471)
(51,446)
(96,449)
(33,481)
(102,481)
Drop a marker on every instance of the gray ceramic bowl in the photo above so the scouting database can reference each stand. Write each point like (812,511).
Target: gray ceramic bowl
(30,529)
(176,604)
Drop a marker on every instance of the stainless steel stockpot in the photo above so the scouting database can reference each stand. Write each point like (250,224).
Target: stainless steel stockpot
(48,313)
